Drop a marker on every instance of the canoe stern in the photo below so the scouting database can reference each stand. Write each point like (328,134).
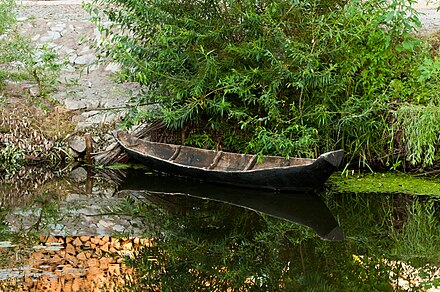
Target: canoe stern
(334,157)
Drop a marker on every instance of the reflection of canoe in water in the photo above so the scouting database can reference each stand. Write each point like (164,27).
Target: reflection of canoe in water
(276,173)
(303,208)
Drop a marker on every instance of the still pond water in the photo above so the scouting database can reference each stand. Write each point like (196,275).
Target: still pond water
(128,231)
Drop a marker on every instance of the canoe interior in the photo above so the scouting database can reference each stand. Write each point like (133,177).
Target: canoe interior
(209,159)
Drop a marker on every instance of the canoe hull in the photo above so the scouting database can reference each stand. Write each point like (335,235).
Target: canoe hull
(295,178)
(276,173)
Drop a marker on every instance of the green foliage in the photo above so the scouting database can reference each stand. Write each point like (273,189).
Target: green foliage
(201,140)
(421,132)
(287,77)
(40,63)
(293,140)
(11,159)
(7,19)
(429,69)
(7,15)
(21,59)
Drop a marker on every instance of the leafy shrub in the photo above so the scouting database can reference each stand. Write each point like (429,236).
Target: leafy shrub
(421,132)
(7,18)
(40,63)
(20,57)
(7,15)
(274,77)
(11,159)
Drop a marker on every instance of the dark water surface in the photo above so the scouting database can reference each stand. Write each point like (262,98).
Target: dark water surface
(138,231)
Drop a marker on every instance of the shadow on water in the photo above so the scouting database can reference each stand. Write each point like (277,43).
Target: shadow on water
(146,232)
(301,208)
(204,243)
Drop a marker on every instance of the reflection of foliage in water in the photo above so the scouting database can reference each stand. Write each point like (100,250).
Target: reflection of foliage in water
(30,220)
(43,202)
(47,206)
(421,234)
(214,247)
(22,187)
(384,232)
(31,198)
(406,227)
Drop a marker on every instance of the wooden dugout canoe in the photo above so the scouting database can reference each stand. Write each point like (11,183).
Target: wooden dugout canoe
(273,173)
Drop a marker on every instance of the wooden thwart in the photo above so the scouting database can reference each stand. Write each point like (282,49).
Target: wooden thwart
(216,160)
(251,163)
(176,153)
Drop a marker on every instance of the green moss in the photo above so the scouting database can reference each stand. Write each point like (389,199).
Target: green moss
(398,183)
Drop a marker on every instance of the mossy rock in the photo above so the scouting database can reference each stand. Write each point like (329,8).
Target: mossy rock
(394,183)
